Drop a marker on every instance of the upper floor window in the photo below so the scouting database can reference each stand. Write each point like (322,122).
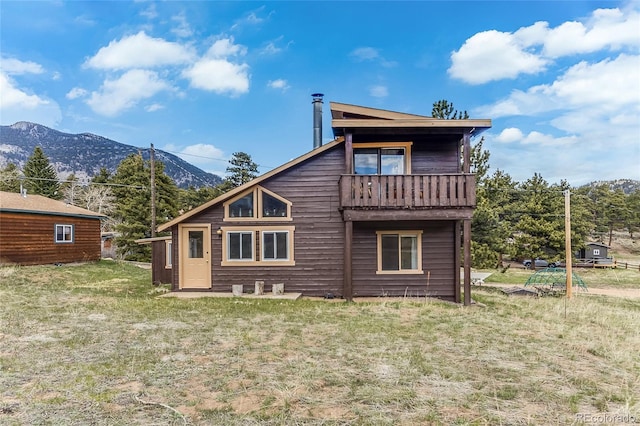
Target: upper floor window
(392,158)
(64,234)
(257,203)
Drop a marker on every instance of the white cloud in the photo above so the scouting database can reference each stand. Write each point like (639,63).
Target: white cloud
(605,29)
(379,91)
(18,105)
(214,72)
(509,135)
(12,66)
(607,87)
(139,51)
(224,48)
(183,29)
(153,107)
(270,49)
(76,92)
(278,84)
(493,55)
(365,54)
(123,93)
(151,12)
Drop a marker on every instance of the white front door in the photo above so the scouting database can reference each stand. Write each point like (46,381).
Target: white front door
(195,256)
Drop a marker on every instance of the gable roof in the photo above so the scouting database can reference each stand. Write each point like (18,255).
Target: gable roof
(598,244)
(346,116)
(256,181)
(37,204)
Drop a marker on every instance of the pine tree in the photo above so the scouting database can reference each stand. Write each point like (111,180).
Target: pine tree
(133,204)
(10,178)
(241,171)
(444,110)
(40,176)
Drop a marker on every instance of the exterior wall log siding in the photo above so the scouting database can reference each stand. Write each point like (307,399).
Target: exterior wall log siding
(29,239)
(438,262)
(318,238)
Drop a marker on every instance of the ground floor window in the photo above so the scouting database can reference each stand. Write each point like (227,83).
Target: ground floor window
(399,252)
(257,246)
(64,234)
(240,245)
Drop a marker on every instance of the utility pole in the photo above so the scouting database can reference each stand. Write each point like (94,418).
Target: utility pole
(153,191)
(567,241)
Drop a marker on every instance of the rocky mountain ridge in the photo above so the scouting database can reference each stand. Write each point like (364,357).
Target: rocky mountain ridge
(85,153)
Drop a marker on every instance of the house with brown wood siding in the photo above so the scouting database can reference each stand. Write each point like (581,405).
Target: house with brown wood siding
(37,230)
(383,210)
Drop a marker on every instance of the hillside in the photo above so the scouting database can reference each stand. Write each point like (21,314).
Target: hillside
(85,153)
(626,185)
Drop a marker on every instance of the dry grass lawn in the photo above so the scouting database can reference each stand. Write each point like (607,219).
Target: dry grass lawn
(93,344)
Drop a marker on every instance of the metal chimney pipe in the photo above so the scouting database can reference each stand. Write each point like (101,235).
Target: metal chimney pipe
(317,120)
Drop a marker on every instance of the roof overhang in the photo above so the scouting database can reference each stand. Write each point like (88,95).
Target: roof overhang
(362,120)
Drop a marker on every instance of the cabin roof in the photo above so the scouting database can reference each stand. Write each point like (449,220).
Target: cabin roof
(371,120)
(598,244)
(37,204)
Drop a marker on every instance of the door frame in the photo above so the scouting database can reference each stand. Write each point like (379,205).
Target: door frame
(184,247)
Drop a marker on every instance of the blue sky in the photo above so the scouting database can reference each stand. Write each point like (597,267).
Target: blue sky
(560,79)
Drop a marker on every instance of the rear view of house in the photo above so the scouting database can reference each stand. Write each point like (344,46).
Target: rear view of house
(37,230)
(378,211)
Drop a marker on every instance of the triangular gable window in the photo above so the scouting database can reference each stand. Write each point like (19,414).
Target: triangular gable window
(257,203)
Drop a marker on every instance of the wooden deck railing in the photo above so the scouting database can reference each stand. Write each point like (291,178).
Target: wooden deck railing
(407,191)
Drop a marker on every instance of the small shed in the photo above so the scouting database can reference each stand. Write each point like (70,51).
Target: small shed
(36,230)
(161,258)
(594,251)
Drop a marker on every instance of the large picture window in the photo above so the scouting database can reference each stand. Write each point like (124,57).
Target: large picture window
(399,252)
(64,234)
(382,159)
(257,204)
(257,246)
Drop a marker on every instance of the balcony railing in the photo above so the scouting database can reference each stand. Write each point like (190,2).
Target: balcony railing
(407,191)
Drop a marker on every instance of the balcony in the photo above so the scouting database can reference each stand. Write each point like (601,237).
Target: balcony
(420,192)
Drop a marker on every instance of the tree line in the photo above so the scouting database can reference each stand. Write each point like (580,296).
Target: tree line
(514,220)
(124,197)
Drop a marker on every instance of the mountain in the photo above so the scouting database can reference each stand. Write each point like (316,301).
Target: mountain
(84,154)
(626,185)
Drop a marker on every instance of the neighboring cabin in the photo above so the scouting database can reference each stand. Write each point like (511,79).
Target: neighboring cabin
(593,251)
(378,211)
(37,230)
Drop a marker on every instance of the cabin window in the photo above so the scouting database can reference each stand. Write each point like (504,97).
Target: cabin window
(257,204)
(382,159)
(257,246)
(399,252)
(596,252)
(64,234)
(239,246)
(242,207)
(274,245)
(168,251)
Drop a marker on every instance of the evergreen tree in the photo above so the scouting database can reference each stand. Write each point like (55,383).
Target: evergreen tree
(10,178)
(241,171)
(633,207)
(133,204)
(492,224)
(40,176)
(445,110)
(193,197)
